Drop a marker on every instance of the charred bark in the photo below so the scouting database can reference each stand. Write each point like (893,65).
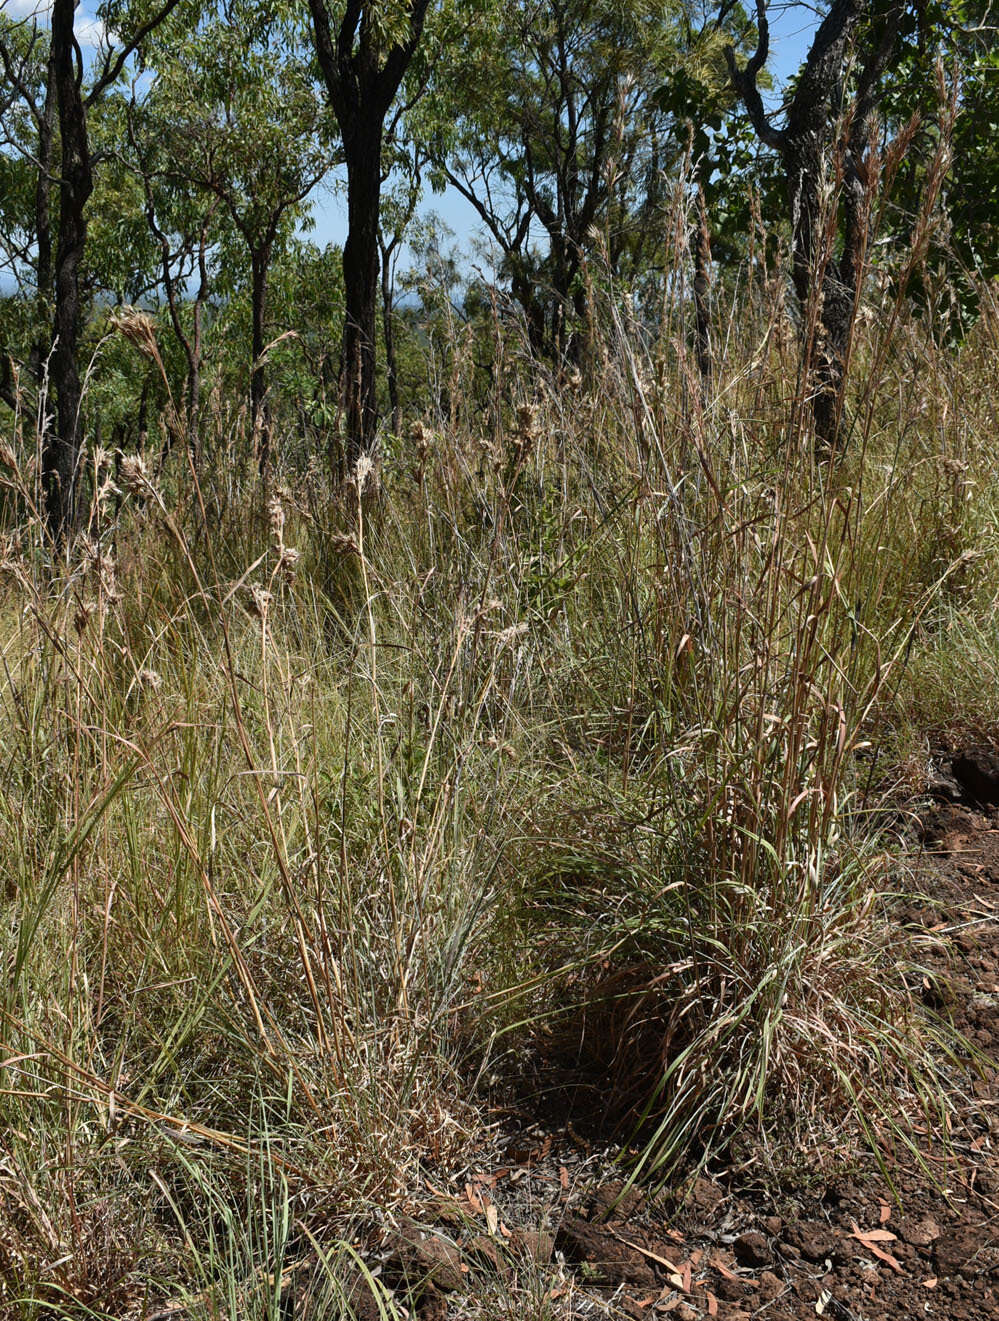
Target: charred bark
(61,446)
(702,297)
(388,332)
(361,88)
(260,260)
(360,286)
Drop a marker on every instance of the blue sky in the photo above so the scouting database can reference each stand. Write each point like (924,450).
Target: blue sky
(792,25)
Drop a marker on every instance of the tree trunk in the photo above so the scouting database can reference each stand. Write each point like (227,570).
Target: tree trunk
(360,283)
(260,259)
(61,448)
(388,325)
(43,223)
(702,297)
(826,282)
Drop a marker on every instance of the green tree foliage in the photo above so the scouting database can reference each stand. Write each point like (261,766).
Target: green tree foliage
(234,126)
(948,76)
(569,142)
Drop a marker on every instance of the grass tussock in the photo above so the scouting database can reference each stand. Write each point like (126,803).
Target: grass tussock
(563,736)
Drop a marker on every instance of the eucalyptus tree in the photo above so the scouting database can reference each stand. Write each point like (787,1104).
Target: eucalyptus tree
(364,51)
(828,127)
(568,142)
(234,119)
(74,87)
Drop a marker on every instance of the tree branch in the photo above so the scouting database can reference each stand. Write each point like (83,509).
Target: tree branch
(113,64)
(745,81)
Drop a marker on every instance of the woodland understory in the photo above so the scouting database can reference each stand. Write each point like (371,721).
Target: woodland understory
(474,721)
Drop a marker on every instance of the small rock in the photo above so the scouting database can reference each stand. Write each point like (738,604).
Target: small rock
(977,772)
(752,1249)
(534,1244)
(731,1291)
(770,1286)
(920,1233)
(614,1200)
(705,1197)
(813,1238)
(956,1251)
(608,1258)
(484,1249)
(774,1226)
(426,1260)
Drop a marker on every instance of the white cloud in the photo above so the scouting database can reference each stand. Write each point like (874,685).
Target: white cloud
(90,32)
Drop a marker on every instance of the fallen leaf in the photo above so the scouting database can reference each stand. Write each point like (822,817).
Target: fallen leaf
(722,1269)
(492,1218)
(652,1256)
(931,1283)
(563,1178)
(871,1246)
(877,1235)
(885,1211)
(712,1304)
(823,1301)
(473,1199)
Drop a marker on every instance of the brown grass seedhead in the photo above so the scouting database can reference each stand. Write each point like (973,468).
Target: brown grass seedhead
(138,328)
(134,474)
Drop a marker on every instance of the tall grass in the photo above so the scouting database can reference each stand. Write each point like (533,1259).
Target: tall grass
(564,742)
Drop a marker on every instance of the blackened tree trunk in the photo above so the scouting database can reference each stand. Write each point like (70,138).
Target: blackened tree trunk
(361,85)
(825,117)
(360,285)
(702,297)
(386,249)
(260,260)
(61,446)
(43,220)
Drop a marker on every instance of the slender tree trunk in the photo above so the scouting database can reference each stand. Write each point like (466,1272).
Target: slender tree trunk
(388,324)
(362,82)
(43,222)
(702,297)
(826,282)
(360,282)
(524,290)
(61,447)
(260,259)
